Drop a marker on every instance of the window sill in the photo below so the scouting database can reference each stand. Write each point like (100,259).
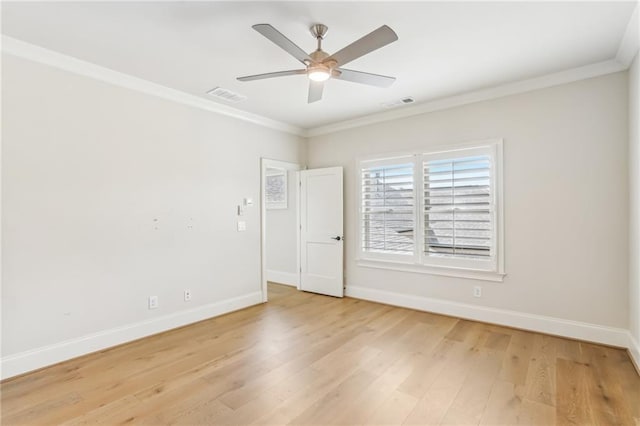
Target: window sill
(473,274)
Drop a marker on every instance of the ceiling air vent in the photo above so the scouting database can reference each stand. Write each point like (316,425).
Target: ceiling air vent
(226,95)
(401,102)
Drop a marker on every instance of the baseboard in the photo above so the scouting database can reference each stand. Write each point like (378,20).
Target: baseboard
(23,362)
(287,278)
(634,352)
(539,323)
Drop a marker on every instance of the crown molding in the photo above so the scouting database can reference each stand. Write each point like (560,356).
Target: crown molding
(630,41)
(555,79)
(626,52)
(45,56)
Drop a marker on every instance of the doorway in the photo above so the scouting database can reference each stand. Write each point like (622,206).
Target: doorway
(280,236)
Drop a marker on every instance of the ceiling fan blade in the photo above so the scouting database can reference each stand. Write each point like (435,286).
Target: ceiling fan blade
(364,78)
(372,41)
(315,91)
(278,38)
(271,75)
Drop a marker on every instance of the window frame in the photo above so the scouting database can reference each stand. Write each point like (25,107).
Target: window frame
(387,160)
(419,262)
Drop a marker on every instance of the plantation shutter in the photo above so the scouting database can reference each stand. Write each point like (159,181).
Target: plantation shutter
(387,209)
(458,207)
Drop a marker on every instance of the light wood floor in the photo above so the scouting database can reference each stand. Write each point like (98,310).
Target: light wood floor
(309,359)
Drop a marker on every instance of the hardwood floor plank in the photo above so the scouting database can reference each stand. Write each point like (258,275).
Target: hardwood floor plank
(515,366)
(469,404)
(271,396)
(380,390)
(504,404)
(106,414)
(461,330)
(49,411)
(605,393)
(536,414)
(497,341)
(335,401)
(626,375)
(572,403)
(312,392)
(435,403)
(541,378)
(393,411)
(425,369)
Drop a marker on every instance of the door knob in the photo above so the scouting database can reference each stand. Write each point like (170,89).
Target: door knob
(338,238)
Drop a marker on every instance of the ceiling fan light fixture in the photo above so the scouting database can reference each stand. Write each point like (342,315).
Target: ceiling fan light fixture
(319,66)
(319,73)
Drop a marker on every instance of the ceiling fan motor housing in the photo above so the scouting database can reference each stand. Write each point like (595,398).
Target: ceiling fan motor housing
(319,30)
(319,56)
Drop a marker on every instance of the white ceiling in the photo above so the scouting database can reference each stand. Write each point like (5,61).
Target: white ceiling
(444,48)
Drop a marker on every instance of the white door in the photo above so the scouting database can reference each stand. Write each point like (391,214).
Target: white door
(321,237)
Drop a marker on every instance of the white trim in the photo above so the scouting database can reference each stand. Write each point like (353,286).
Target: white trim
(39,54)
(23,362)
(563,77)
(629,43)
(42,55)
(1,221)
(287,278)
(299,226)
(381,161)
(441,146)
(550,325)
(472,274)
(495,263)
(634,351)
(490,270)
(264,274)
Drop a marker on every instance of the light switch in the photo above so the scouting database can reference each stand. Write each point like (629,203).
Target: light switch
(242,225)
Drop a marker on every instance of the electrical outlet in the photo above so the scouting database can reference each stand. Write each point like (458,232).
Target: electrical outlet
(153,302)
(242,226)
(477,291)
(187,295)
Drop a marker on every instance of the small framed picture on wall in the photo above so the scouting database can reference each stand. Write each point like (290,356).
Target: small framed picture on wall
(276,188)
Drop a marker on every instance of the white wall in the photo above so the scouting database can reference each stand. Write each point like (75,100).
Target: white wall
(111,195)
(88,166)
(634,208)
(282,237)
(566,201)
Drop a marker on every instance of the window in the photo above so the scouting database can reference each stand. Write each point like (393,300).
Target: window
(436,212)
(388,211)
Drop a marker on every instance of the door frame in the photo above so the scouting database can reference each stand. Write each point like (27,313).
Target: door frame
(264,164)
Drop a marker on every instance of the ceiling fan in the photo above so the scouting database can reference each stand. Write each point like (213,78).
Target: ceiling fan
(320,66)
